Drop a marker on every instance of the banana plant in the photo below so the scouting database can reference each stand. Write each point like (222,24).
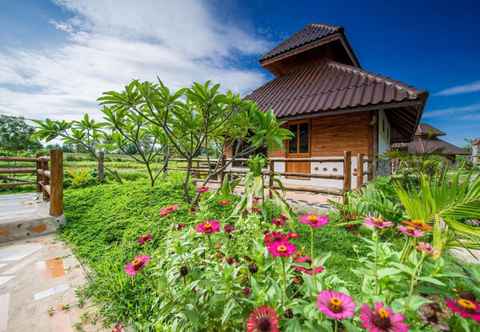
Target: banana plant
(447,201)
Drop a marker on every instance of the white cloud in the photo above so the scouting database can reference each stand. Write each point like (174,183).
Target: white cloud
(452,111)
(459,89)
(111,42)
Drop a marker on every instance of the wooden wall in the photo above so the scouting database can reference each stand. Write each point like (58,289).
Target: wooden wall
(332,135)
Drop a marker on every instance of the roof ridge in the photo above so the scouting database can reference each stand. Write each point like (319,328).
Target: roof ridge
(411,89)
(324,25)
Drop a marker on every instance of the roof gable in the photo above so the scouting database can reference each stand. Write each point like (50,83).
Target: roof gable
(427,130)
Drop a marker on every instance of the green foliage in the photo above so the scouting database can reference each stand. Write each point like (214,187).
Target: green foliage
(79,178)
(17,135)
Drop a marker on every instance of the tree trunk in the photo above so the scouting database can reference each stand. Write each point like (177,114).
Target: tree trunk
(186,183)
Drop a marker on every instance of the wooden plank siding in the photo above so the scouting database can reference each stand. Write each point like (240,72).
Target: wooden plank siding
(332,135)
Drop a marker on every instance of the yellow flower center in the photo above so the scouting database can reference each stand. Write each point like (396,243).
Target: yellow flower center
(466,304)
(282,248)
(383,313)
(137,263)
(312,218)
(335,304)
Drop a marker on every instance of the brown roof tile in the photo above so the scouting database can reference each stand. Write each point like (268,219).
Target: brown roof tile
(329,86)
(310,33)
(425,129)
(421,145)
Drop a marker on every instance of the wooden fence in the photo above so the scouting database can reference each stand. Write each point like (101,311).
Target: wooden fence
(202,167)
(48,171)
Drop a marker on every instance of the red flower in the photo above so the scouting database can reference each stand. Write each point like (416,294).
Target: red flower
(136,265)
(118,328)
(144,239)
(180,226)
(279,221)
(281,249)
(247,291)
(270,237)
(466,308)
(303,259)
(293,235)
(208,227)
(263,319)
(168,209)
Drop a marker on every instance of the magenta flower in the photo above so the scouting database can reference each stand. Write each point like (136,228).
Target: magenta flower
(144,239)
(208,227)
(270,237)
(303,259)
(382,319)
(136,265)
(466,308)
(167,210)
(281,249)
(410,231)
(427,249)
(380,223)
(335,305)
(202,189)
(314,220)
(263,319)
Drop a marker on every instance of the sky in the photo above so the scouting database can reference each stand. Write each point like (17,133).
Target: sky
(58,56)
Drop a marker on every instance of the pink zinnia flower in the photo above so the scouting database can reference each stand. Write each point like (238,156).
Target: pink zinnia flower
(202,189)
(410,231)
(279,221)
(281,249)
(263,319)
(270,237)
(168,209)
(118,328)
(382,319)
(208,227)
(335,305)
(466,308)
(136,265)
(224,202)
(314,220)
(380,223)
(144,239)
(428,249)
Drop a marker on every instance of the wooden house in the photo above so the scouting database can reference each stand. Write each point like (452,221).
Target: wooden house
(332,104)
(427,142)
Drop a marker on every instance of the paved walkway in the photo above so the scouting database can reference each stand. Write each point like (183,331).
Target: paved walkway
(38,279)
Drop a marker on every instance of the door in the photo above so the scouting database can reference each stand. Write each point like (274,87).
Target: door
(299,147)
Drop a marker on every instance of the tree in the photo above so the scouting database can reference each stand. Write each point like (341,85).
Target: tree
(195,118)
(16,134)
(86,134)
(137,138)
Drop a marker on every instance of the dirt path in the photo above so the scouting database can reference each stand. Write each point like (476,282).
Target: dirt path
(38,282)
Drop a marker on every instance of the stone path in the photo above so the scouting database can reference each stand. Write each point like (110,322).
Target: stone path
(38,282)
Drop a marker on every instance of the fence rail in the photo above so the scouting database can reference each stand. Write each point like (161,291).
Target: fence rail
(48,172)
(269,172)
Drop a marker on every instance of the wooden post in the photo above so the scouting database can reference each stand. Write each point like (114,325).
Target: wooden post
(44,178)
(347,173)
(56,183)
(359,170)
(271,174)
(101,166)
(38,167)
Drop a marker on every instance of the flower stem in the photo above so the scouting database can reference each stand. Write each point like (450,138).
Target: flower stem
(377,284)
(416,272)
(284,295)
(311,243)
(335,326)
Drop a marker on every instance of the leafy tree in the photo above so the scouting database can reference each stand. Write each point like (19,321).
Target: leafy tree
(16,134)
(137,138)
(86,134)
(196,118)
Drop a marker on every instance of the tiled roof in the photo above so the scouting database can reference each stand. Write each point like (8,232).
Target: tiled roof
(310,33)
(425,129)
(329,86)
(422,145)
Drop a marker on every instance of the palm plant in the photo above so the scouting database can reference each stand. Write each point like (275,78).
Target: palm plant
(447,201)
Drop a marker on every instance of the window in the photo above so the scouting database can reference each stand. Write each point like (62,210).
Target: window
(300,143)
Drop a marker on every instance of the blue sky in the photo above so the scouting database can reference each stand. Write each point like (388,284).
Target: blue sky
(56,57)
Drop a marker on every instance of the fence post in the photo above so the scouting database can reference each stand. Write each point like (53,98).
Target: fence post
(56,183)
(359,170)
(38,166)
(271,174)
(101,166)
(43,177)
(347,173)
